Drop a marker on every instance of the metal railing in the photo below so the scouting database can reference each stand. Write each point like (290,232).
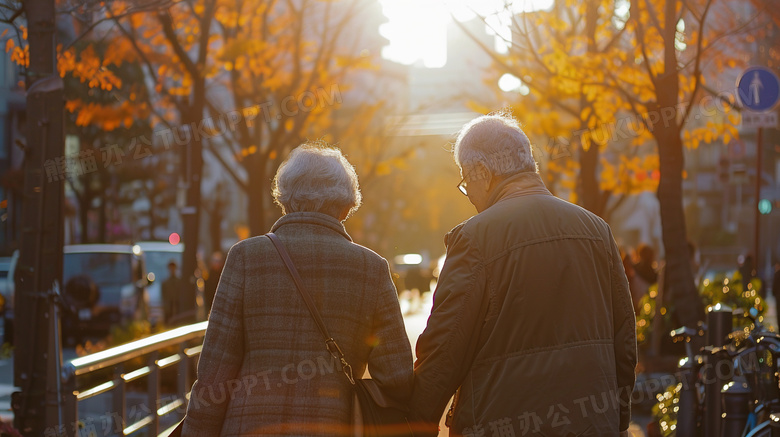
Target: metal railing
(113,369)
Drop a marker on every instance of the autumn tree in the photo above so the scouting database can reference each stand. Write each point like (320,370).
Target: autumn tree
(100,182)
(288,65)
(276,74)
(556,54)
(168,43)
(675,41)
(247,80)
(182,33)
(642,62)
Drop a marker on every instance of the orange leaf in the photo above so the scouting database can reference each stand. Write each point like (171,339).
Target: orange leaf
(9,45)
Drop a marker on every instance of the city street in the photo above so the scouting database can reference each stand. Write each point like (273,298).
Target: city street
(415,318)
(605,175)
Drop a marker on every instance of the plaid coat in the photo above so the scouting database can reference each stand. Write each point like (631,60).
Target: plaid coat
(264,369)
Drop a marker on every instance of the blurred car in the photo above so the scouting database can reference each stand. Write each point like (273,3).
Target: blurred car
(157,255)
(105,286)
(7,267)
(712,272)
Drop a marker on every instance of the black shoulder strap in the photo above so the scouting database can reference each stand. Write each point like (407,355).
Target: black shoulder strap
(330,343)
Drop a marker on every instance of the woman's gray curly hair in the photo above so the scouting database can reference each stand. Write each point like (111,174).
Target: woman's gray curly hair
(316,177)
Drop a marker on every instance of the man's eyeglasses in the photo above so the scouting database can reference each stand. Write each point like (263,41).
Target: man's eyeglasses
(463,187)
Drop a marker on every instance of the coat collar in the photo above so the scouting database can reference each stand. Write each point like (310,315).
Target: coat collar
(521,184)
(312,218)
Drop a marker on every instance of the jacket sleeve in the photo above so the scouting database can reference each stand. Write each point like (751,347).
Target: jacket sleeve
(445,350)
(390,360)
(624,326)
(222,354)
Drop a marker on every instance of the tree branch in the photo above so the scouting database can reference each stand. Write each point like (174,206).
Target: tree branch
(641,39)
(112,17)
(164,17)
(697,64)
(228,168)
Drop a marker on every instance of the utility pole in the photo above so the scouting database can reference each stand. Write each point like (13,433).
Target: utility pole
(40,263)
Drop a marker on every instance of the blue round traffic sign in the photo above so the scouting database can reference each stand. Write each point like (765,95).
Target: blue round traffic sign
(758,89)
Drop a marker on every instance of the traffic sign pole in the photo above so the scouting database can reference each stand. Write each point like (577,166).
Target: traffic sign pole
(758,90)
(757,230)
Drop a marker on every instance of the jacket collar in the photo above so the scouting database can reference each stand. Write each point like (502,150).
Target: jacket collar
(521,184)
(312,218)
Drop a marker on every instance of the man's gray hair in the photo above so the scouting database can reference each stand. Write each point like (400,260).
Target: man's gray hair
(317,177)
(494,143)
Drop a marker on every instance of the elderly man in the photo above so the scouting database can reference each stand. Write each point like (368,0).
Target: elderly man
(532,321)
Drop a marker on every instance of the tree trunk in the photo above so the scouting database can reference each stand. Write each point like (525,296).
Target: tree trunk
(258,195)
(152,217)
(85,202)
(678,280)
(105,186)
(151,195)
(192,167)
(590,190)
(588,178)
(680,286)
(216,217)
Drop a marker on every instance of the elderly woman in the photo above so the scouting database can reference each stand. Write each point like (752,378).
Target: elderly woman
(264,369)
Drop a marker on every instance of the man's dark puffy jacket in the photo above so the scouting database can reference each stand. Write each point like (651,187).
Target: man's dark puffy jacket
(532,321)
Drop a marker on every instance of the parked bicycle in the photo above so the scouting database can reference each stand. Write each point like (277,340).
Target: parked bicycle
(730,387)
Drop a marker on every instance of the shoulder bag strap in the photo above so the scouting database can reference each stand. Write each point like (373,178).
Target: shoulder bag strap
(330,343)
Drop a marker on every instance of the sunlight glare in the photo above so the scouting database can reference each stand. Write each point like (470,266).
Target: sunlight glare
(511,83)
(417,29)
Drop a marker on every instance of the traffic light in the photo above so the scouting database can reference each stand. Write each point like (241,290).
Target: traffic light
(764,206)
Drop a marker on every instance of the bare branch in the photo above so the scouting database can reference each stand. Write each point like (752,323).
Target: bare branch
(636,105)
(16,14)
(166,21)
(227,167)
(653,16)
(698,56)
(640,36)
(615,38)
(111,17)
(509,69)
